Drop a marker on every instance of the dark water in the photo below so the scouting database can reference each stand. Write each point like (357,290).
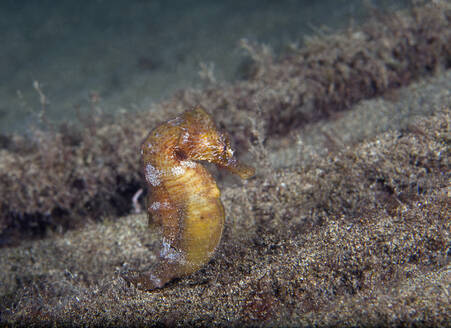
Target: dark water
(65,56)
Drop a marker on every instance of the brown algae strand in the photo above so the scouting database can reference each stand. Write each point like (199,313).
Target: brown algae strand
(183,196)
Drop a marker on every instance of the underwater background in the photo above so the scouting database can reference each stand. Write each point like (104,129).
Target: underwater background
(342,107)
(130,54)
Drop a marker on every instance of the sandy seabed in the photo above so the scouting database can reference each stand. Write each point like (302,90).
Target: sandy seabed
(346,222)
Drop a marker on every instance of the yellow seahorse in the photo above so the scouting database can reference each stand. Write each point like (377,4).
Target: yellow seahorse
(183,197)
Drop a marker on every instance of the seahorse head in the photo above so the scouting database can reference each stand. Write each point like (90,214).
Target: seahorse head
(205,142)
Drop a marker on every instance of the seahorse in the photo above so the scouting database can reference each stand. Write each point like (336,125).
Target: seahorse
(184,200)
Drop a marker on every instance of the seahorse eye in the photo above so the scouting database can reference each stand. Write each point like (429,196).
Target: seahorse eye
(179,154)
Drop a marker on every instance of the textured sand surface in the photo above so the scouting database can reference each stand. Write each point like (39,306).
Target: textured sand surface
(346,222)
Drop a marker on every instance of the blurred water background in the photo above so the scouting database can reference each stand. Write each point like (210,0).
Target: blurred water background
(125,55)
